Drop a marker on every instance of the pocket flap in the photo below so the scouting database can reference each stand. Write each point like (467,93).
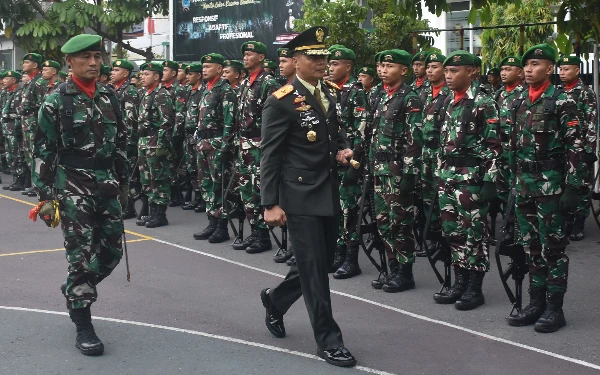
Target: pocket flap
(301,176)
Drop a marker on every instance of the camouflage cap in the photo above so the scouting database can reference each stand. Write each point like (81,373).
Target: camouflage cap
(460,58)
(122,63)
(213,58)
(341,53)
(195,67)
(569,60)
(183,66)
(51,64)
(82,43)
(284,52)
(105,69)
(367,70)
(494,71)
(233,64)
(171,64)
(35,57)
(396,56)
(540,51)
(253,46)
(269,64)
(420,56)
(13,74)
(435,57)
(153,66)
(511,61)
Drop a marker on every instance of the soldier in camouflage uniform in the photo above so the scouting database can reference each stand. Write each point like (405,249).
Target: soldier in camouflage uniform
(467,173)
(433,112)
(420,84)
(130,103)
(216,113)
(11,129)
(50,70)
(253,93)
(104,76)
(485,87)
(33,95)
(182,74)
(395,152)
(155,130)
(232,72)
(586,101)
(494,79)
(512,88)
(4,164)
(549,148)
(352,112)
(86,172)
(366,76)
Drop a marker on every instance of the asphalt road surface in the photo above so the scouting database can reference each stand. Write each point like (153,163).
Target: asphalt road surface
(194,308)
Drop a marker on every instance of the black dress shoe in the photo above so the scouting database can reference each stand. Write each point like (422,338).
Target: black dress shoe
(337,357)
(273,318)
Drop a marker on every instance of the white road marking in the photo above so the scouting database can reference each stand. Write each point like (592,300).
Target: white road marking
(404,312)
(198,333)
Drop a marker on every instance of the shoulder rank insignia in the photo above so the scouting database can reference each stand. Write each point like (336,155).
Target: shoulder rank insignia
(333,85)
(285,90)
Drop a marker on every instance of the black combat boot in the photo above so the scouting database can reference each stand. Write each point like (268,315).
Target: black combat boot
(221,234)
(186,191)
(261,243)
(193,203)
(143,216)
(350,267)
(378,282)
(394,267)
(129,212)
(290,262)
(159,219)
(532,312)
(577,232)
(175,196)
(87,341)
(209,230)
(553,317)
(473,296)
(338,258)
(461,279)
(18,184)
(248,241)
(401,280)
(201,207)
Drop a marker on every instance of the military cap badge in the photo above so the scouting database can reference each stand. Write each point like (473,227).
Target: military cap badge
(421,56)
(538,52)
(284,52)
(320,34)
(251,46)
(365,69)
(388,58)
(208,58)
(226,62)
(338,53)
(511,59)
(456,58)
(433,56)
(565,59)
(9,73)
(47,63)
(118,63)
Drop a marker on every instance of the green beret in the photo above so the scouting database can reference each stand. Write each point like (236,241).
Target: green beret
(13,74)
(171,64)
(269,64)
(82,43)
(540,51)
(2,73)
(342,53)
(421,56)
(152,66)
(213,58)
(367,70)
(477,61)
(122,63)
(284,52)
(396,56)
(52,64)
(195,67)
(460,58)
(183,66)
(105,69)
(233,64)
(253,46)
(35,57)
(511,61)
(435,57)
(494,71)
(569,60)
(62,74)
(336,46)
(378,56)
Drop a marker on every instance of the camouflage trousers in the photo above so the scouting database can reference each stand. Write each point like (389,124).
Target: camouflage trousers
(93,228)
(249,185)
(191,160)
(464,225)
(211,183)
(585,192)
(12,148)
(428,194)
(155,175)
(395,219)
(28,148)
(541,232)
(503,182)
(349,196)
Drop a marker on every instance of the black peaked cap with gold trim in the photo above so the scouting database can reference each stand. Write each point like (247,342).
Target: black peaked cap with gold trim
(310,42)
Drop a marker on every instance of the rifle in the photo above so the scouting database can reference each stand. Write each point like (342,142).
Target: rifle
(125,251)
(283,244)
(494,210)
(237,209)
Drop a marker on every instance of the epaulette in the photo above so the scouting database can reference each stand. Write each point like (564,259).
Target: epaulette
(332,85)
(285,90)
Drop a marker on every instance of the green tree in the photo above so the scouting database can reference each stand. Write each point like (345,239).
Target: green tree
(499,43)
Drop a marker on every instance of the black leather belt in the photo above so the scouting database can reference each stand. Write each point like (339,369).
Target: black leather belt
(75,161)
(210,133)
(251,133)
(540,165)
(463,162)
(388,156)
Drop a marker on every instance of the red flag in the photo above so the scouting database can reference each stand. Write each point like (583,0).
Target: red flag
(150,26)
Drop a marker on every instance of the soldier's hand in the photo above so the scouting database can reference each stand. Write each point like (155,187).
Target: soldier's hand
(569,200)
(488,192)
(343,156)
(408,184)
(124,196)
(275,216)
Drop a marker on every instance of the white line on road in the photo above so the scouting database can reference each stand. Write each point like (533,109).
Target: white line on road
(198,333)
(404,312)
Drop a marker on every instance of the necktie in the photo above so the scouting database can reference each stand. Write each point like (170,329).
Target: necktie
(318,97)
